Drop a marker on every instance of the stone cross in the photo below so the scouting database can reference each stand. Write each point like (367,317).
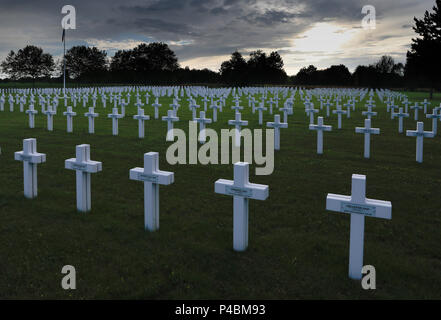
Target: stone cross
(310,111)
(425,103)
(237,107)
(261,108)
(31,112)
(348,109)
(91,115)
(420,134)
(369,113)
(416,107)
(170,118)
(141,118)
(238,123)
(202,123)
(286,110)
(193,107)
(152,178)
(358,206)
(123,108)
(320,127)
(214,106)
(339,112)
(69,116)
(241,190)
(400,116)
(30,158)
(327,105)
(367,130)
(115,116)
(84,167)
(50,117)
(156,105)
(271,102)
(276,125)
(435,117)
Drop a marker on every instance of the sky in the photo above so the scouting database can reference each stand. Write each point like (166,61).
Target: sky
(204,33)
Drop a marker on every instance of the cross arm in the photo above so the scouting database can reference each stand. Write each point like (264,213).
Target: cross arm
(159,177)
(32,158)
(250,190)
(86,166)
(372,208)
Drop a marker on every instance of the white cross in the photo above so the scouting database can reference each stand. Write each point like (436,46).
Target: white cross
(205,100)
(50,117)
(31,112)
(238,123)
(416,107)
(261,108)
(420,134)
(156,105)
(193,107)
(271,103)
(369,113)
(141,118)
(123,108)
(406,104)
(91,115)
(310,111)
(358,206)
(170,118)
(367,130)
(237,107)
(327,105)
(241,190)
(425,103)
(320,127)
(152,178)
(30,158)
(286,110)
(175,106)
(83,167)
(277,125)
(348,109)
(400,116)
(339,112)
(69,116)
(115,116)
(202,122)
(392,110)
(214,106)
(435,117)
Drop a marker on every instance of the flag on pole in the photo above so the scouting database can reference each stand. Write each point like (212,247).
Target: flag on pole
(64,33)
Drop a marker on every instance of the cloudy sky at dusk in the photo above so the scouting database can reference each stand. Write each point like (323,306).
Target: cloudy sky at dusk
(203,33)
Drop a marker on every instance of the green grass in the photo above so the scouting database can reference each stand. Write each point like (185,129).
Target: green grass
(297,249)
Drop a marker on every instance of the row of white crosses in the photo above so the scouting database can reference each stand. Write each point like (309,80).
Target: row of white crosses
(357,205)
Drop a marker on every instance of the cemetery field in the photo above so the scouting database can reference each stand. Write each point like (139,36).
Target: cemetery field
(297,249)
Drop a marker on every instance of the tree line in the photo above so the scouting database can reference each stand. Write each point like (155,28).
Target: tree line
(155,63)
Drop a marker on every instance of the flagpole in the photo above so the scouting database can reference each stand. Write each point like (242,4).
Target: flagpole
(64,60)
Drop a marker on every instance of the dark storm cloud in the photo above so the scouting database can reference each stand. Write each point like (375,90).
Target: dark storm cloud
(208,27)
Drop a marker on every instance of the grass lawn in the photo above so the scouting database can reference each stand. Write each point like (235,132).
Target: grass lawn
(297,249)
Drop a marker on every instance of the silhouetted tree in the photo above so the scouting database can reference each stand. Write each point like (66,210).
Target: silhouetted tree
(82,61)
(29,62)
(234,71)
(423,61)
(306,75)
